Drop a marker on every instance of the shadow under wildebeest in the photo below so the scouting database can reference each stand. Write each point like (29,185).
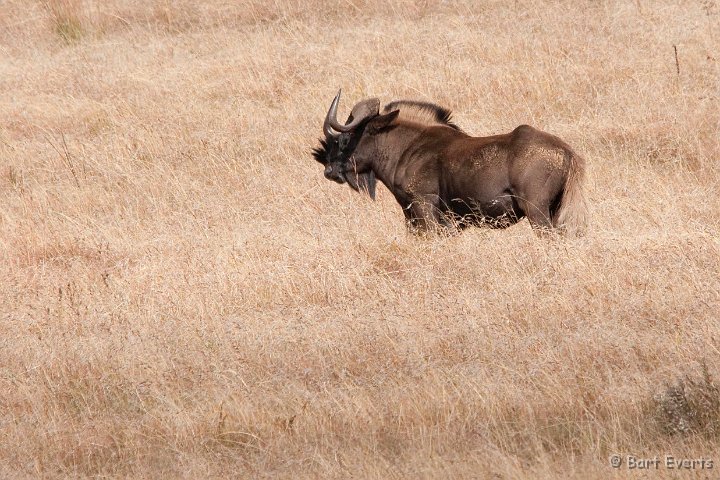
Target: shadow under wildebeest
(444,178)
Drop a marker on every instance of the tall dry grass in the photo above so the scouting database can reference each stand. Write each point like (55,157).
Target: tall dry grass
(182,294)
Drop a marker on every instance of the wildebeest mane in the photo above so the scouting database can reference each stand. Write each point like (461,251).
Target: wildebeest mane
(320,153)
(425,113)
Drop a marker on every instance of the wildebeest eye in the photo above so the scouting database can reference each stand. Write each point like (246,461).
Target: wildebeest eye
(343,141)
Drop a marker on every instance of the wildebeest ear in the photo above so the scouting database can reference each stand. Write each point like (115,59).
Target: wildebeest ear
(366,108)
(382,121)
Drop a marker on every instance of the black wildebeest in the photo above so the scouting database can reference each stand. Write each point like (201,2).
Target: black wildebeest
(443,177)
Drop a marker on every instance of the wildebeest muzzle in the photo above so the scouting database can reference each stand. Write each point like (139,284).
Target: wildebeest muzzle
(334,172)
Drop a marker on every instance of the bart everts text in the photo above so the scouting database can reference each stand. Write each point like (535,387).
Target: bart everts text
(664,462)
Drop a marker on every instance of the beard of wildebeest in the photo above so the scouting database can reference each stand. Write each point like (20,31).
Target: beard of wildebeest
(333,153)
(443,177)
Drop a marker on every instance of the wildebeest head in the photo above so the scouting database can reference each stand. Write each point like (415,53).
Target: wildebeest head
(340,142)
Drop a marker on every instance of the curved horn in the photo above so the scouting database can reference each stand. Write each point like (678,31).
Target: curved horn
(331,122)
(327,129)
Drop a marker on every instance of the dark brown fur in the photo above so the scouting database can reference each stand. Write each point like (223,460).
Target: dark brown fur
(441,176)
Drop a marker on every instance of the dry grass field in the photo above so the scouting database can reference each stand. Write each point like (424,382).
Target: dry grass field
(183,295)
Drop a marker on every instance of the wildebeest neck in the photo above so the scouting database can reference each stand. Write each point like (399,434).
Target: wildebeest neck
(405,138)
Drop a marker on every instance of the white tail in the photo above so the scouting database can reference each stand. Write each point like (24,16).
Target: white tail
(572,217)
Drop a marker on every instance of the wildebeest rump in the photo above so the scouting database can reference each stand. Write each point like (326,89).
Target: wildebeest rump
(442,176)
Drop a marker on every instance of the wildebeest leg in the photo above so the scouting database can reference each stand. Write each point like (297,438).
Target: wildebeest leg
(541,221)
(538,213)
(538,195)
(423,214)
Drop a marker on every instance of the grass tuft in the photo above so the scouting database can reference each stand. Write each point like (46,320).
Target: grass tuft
(690,406)
(66,17)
